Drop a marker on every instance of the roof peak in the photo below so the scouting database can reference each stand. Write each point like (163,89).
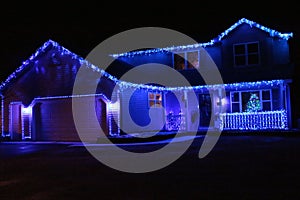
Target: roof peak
(272,33)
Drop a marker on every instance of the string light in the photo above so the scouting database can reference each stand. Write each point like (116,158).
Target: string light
(271,32)
(254,120)
(74,96)
(124,84)
(257,120)
(230,86)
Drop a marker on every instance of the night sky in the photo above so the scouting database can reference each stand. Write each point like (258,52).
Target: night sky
(80,27)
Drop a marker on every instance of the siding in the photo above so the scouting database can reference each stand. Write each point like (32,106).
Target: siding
(135,114)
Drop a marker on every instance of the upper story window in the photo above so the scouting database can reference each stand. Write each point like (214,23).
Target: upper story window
(186,60)
(155,99)
(246,54)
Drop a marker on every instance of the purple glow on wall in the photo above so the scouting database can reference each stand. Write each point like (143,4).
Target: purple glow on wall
(27,110)
(172,105)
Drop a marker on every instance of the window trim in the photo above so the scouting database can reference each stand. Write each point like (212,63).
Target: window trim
(185,59)
(246,54)
(260,99)
(155,105)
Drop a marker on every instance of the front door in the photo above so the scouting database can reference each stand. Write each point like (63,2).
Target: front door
(205,109)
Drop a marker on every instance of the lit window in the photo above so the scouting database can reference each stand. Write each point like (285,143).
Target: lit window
(186,60)
(247,101)
(246,54)
(155,99)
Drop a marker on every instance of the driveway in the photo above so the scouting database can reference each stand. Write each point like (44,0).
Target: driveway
(238,167)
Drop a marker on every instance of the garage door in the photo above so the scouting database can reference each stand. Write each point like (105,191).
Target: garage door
(53,120)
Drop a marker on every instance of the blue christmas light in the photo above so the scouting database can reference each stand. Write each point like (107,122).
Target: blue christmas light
(272,33)
(230,86)
(74,96)
(124,84)
(2,115)
(254,120)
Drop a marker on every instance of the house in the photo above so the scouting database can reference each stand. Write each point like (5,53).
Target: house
(253,60)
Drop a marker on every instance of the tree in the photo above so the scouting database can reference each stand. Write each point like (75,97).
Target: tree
(253,105)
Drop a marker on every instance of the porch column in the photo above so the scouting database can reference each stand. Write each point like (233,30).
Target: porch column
(118,112)
(281,96)
(186,109)
(2,115)
(219,105)
(288,104)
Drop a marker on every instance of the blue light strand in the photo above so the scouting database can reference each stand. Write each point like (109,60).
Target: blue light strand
(254,120)
(272,33)
(74,96)
(230,86)
(62,51)
(124,84)
(2,115)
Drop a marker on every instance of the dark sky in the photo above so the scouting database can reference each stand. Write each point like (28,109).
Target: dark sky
(80,26)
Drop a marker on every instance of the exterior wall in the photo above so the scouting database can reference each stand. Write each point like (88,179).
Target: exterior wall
(215,53)
(53,120)
(274,56)
(136,115)
(172,105)
(192,112)
(161,58)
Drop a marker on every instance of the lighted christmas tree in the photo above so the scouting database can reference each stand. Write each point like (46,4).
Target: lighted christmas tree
(253,104)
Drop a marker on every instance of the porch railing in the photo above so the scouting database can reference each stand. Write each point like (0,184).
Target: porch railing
(254,120)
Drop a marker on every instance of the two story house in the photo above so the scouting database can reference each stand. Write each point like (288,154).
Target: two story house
(253,60)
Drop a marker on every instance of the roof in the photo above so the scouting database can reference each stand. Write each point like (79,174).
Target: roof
(40,51)
(123,84)
(220,37)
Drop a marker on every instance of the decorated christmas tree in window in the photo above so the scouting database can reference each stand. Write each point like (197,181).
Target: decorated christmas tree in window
(253,105)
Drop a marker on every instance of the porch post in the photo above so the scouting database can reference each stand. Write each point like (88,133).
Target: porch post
(281,97)
(219,109)
(2,115)
(288,105)
(118,112)
(186,113)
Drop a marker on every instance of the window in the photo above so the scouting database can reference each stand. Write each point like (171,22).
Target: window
(266,100)
(155,99)
(235,102)
(247,101)
(186,60)
(246,54)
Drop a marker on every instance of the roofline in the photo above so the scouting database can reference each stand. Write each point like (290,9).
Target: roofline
(124,84)
(38,52)
(272,32)
(25,63)
(103,96)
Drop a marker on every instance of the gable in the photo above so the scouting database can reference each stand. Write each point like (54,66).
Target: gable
(241,23)
(50,71)
(245,33)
